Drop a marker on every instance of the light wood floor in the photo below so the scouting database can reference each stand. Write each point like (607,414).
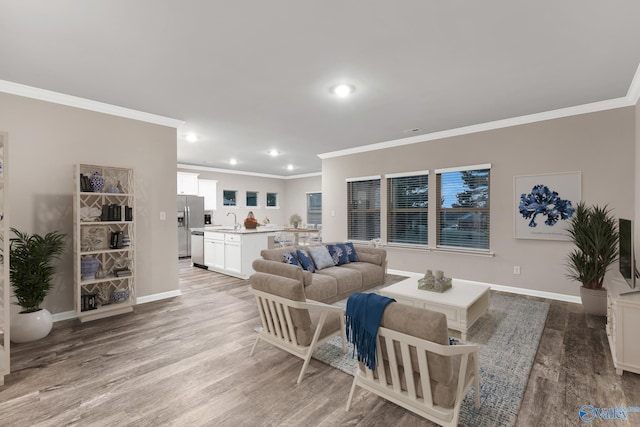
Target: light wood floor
(185,362)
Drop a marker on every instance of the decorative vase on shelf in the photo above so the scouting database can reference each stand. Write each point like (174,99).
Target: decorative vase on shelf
(88,268)
(97,182)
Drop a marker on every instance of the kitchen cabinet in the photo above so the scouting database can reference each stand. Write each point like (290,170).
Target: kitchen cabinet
(187,183)
(233,252)
(207,189)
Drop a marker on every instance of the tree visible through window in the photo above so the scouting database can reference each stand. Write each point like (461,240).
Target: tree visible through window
(463,209)
(408,202)
(272,200)
(229,198)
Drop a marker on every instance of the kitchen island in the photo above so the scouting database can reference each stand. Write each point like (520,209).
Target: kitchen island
(231,251)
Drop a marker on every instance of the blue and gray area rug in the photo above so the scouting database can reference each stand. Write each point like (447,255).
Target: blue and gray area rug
(507,338)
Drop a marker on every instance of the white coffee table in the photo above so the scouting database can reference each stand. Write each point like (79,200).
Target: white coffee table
(463,304)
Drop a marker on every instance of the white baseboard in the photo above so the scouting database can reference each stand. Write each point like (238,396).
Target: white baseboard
(66,315)
(158,297)
(512,290)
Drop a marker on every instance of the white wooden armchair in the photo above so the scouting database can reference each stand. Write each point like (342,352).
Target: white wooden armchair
(415,340)
(290,321)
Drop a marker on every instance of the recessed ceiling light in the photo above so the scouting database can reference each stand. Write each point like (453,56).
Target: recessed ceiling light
(290,167)
(233,162)
(192,137)
(342,90)
(273,153)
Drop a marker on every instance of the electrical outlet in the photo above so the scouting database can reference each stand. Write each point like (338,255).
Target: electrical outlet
(516,269)
(163,216)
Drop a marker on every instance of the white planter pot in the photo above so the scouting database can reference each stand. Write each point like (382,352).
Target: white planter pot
(27,327)
(594,301)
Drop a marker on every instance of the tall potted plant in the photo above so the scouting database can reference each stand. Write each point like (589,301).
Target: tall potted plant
(31,272)
(594,233)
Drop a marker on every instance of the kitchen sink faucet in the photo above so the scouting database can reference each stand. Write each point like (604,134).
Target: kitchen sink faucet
(235,220)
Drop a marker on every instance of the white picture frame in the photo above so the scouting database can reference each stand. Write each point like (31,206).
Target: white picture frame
(544,204)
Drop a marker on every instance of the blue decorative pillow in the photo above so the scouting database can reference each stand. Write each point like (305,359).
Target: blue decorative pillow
(291,258)
(351,252)
(338,253)
(321,257)
(305,261)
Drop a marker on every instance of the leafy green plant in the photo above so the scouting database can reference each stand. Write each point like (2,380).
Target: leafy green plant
(295,219)
(31,270)
(594,232)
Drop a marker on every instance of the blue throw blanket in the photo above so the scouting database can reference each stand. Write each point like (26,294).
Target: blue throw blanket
(363,315)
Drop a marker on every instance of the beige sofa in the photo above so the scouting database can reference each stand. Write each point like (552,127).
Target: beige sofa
(329,284)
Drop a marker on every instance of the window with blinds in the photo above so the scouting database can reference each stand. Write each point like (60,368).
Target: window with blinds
(463,207)
(314,208)
(363,210)
(407,208)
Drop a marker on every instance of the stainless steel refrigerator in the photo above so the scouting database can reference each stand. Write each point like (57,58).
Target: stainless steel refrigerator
(190,215)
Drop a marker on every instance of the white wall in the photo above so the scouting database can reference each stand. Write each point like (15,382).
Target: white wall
(297,190)
(291,194)
(600,145)
(46,140)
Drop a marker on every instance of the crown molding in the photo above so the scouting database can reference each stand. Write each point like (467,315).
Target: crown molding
(631,99)
(247,173)
(498,124)
(86,104)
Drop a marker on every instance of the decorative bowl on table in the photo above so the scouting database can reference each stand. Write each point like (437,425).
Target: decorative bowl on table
(121,295)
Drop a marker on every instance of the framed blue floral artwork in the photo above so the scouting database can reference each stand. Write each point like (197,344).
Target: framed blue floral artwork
(544,204)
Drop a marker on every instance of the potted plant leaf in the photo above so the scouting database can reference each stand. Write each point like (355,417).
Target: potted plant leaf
(594,233)
(31,272)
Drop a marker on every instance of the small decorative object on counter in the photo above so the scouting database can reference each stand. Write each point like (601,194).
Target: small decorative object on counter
(375,242)
(97,182)
(250,223)
(434,282)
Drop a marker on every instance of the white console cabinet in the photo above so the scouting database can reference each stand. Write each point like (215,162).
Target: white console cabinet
(623,318)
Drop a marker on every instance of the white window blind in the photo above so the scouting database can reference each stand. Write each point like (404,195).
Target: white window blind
(314,208)
(463,207)
(363,210)
(407,208)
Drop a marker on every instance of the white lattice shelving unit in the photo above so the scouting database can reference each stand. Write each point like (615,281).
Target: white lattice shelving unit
(92,239)
(4,265)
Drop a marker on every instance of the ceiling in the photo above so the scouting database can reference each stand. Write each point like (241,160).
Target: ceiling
(251,76)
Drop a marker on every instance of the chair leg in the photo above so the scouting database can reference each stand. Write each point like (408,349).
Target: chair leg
(353,388)
(477,383)
(304,367)
(343,335)
(255,344)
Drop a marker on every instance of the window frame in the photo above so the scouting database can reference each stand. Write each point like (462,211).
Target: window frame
(391,210)
(246,199)
(351,211)
(235,198)
(484,210)
(277,205)
(310,211)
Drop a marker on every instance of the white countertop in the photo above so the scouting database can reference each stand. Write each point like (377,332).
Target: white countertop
(229,229)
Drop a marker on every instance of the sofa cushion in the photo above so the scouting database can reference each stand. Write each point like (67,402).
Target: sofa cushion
(338,252)
(348,280)
(321,287)
(274,254)
(372,274)
(321,257)
(291,258)
(351,252)
(305,261)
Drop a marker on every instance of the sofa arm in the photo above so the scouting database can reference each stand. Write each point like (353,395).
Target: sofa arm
(372,255)
(278,269)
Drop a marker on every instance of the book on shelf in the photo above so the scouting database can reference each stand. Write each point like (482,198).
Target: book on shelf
(122,272)
(85,184)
